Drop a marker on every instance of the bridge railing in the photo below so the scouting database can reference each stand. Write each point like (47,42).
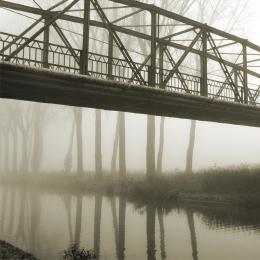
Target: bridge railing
(61,59)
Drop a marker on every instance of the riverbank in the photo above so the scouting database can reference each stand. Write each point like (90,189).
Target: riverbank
(8,251)
(232,187)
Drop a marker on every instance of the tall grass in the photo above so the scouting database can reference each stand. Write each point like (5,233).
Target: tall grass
(216,184)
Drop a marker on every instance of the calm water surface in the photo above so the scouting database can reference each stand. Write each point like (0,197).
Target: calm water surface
(46,224)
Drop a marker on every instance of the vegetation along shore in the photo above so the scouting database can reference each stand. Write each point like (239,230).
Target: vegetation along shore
(225,186)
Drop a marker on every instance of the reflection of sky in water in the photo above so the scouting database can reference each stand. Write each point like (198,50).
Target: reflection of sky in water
(46,224)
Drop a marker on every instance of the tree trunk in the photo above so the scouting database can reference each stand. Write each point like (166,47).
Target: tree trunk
(78,120)
(122,159)
(37,143)
(189,160)
(115,148)
(150,148)
(68,158)
(98,153)
(161,144)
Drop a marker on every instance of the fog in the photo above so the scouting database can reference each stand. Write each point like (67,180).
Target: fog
(216,144)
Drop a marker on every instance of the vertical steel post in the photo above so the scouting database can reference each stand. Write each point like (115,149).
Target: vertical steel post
(110,56)
(236,84)
(245,78)
(153,49)
(204,65)
(45,52)
(161,56)
(85,43)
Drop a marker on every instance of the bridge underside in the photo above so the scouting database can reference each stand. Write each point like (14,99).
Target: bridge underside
(41,85)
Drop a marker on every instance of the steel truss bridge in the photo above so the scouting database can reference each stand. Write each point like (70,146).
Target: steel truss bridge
(170,74)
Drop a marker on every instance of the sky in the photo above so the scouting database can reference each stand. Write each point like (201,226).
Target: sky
(216,144)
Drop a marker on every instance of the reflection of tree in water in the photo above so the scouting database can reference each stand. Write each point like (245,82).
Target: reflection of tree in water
(23,219)
(3,209)
(150,231)
(78,220)
(35,203)
(66,198)
(11,215)
(115,222)
(97,224)
(121,230)
(162,234)
(119,226)
(190,218)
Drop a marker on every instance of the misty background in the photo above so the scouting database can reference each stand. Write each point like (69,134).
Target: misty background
(216,145)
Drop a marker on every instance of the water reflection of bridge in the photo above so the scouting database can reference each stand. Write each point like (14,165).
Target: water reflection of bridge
(24,212)
(172,88)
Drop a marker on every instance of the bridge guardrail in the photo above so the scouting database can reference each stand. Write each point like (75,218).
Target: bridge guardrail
(60,58)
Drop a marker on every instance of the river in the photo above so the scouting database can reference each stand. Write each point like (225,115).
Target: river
(46,223)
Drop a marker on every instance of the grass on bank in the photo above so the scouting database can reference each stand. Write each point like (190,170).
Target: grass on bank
(223,185)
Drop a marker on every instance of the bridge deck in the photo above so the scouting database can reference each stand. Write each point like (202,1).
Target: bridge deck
(42,85)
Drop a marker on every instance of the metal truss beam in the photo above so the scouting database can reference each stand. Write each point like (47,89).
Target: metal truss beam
(179,75)
(118,42)
(185,20)
(30,27)
(116,28)
(184,55)
(127,16)
(204,65)
(245,78)
(224,68)
(85,42)
(51,21)
(178,33)
(66,42)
